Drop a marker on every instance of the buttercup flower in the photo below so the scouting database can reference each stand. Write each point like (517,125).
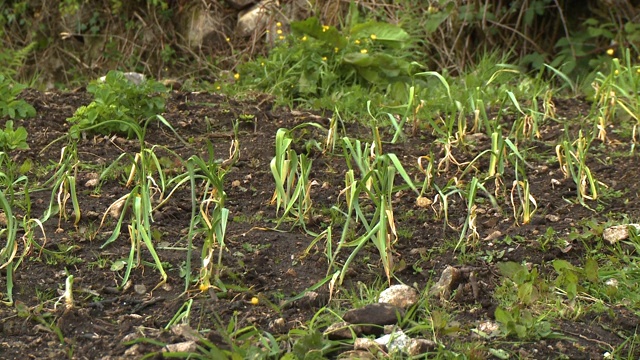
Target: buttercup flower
(357,42)
(236,76)
(304,38)
(364,51)
(610,52)
(373,36)
(278,31)
(324,58)
(278,24)
(325,28)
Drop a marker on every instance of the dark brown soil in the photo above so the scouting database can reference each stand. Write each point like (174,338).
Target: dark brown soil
(274,265)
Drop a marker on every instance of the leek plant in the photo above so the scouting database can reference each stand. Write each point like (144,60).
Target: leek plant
(572,157)
(620,88)
(63,183)
(10,249)
(148,186)
(213,216)
(292,185)
(375,185)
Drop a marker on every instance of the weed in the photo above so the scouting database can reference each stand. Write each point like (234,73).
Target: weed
(10,105)
(118,103)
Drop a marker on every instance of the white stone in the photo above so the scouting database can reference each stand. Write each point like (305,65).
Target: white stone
(617,233)
(187,346)
(399,295)
(256,18)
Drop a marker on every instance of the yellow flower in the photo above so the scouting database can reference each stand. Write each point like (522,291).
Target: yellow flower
(357,42)
(373,36)
(262,63)
(218,87)
(325,28)
(236,76)
(304,38)
(363,51)
(255,301)
(278,31)
(610,52)
(336,50)
(278,24)
(228,39)
(324,58)
(616,72)
(638,71)
(281,37)
(204,287)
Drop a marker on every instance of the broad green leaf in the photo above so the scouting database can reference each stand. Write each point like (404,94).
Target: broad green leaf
(328,34)
(509,269)
(388,34)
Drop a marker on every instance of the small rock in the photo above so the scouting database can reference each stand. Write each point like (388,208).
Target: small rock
(448,282)
(366,344)
(187,346)
(420,346)
(255,19)
(91,183)
(423,202)
(3,219)
(133,77)
(277,326)
(133,351)
(140,289)
(494,235)
(356,355)
(490,328)
(402,296)
(552,218)
(617,233)
(396,341)
(342,331)
(116,208)
(185,331)
(374,314)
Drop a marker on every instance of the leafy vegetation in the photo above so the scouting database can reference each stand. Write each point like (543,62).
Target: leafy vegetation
(118,105)
(479,118)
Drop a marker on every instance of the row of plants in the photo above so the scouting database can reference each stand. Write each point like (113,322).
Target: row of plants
(454,110)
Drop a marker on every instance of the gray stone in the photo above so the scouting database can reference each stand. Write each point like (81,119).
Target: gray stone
(402,296)
(256,19)
(356,355)
(420,346)
(397,341)
(374,314)
(617,233)
(448,282)
(342,331)
(198,21)
(187,347)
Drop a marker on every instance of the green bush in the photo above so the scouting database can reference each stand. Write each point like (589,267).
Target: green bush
(118,103)
(319,61)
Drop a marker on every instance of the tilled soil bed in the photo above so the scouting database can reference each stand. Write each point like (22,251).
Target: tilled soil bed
(264,267)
